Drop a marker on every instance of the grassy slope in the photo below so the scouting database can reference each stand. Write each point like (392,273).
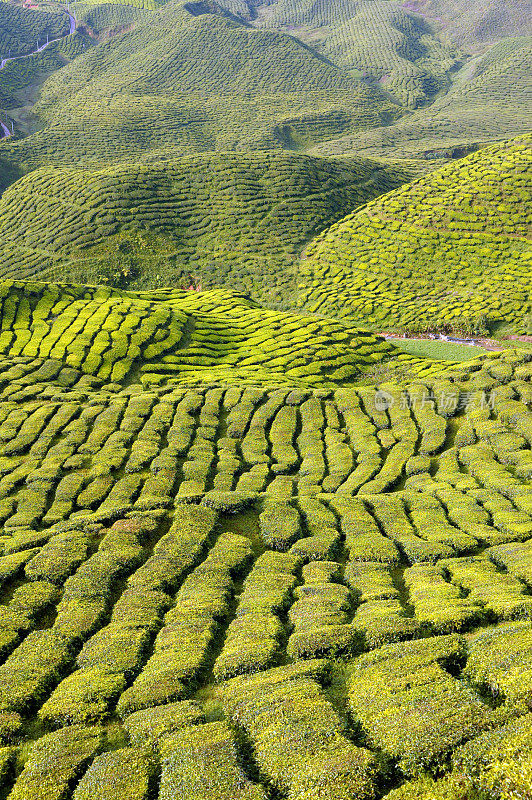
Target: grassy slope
(442,251)
(209,219)
(180,80)
(488,101)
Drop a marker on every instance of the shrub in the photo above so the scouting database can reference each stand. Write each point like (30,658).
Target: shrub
(55,761)
(201,761)
(150,726)
(126,773)
(410,706)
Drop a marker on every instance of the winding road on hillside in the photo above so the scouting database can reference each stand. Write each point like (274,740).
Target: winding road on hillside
(72,27)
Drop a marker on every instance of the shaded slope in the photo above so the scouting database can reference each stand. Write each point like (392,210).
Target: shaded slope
(379,38)
(446,251)
(474,23)
(184,80)
(22,28)
(210,219)
(490,100)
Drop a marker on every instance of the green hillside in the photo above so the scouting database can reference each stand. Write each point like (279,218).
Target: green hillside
(380,39)
(227,576)
(180,80)
(209,220)
(103,20)
(489,100)
(22,28)
(253,545)
(474,23)
(19,76)
(449,250)
(179,336)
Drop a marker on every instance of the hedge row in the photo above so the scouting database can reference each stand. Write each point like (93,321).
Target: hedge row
(256,636)
(297,736)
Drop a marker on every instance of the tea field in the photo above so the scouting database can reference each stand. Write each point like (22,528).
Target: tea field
(208,220)
(22,28)
(151,89)
(249,548)
(450,250)
(488,100)
(382,40)
(231,566)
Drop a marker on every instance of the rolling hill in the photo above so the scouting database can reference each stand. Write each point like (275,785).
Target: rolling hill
(449,250)
(489,100)
(250,548)
(379,39)
(180,337)
(473,24)
(215,544)
(208,220)
(22,28)
(180,80)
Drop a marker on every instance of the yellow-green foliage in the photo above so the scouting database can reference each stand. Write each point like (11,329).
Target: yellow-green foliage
(202,761)
(487,101)
(174,557)
(447,251)
(185,336)
(380,40)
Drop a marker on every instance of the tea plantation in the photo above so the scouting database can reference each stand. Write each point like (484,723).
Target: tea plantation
(449,250)
(21,29)
(152,88)
(382,40)
(250,547)
(488,100)
(233,567)
(211,220)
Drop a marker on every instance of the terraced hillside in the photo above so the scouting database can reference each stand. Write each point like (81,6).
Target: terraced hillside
(17,76)
(153,88)
(473,23)
(449,250)
(185,337)
(379,38)
(207,220)
(489,100)
(265,584)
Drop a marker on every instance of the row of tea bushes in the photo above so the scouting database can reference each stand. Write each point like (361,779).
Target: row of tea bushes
(257,635)
(297,736)
(184,644)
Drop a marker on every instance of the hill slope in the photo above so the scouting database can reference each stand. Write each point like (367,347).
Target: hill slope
(446,250)
(22,28)
(181,79)
(474,23)
(379,38)
(184,337)
(489,100)
(211,219)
